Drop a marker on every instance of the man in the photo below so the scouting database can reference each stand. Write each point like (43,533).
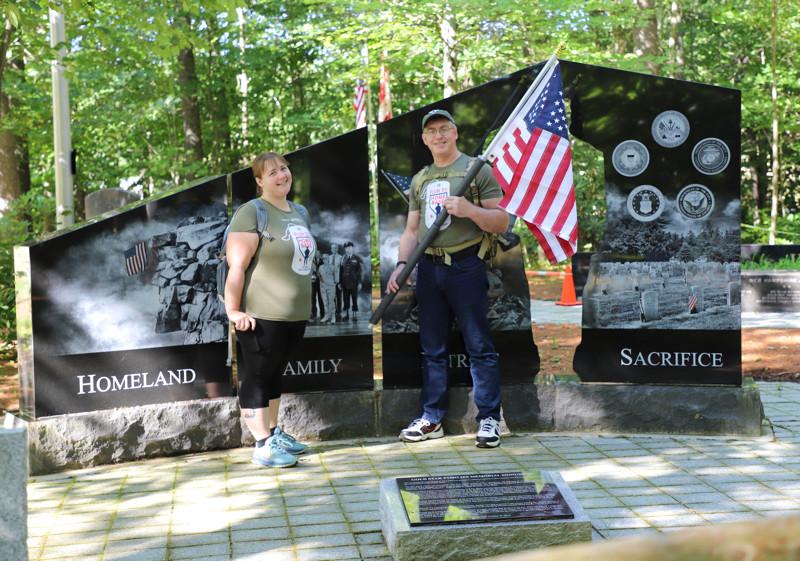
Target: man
(317,302)
(337,266)
(352,268)
(451,280)
(327,282)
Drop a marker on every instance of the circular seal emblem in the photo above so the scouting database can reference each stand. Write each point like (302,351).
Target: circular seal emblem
(630,158)
(710,156)
(645,203)
(695,201)
(670,129)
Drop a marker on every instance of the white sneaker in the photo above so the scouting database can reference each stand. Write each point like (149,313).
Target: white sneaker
(488,433)
(421,429)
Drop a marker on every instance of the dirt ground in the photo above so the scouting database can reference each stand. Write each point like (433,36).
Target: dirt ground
(767,354)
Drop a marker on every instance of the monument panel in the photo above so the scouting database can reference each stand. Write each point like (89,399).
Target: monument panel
(401,154)
(666,275)
(771,291)
(123,311)
(331,179)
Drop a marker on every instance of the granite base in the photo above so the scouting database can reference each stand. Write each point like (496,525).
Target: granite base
(460,542)
(132,433)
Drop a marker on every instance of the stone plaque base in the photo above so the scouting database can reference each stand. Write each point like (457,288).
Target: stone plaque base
(475,540)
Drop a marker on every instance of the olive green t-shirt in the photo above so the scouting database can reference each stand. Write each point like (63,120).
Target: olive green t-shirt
(277,283)
(430,186)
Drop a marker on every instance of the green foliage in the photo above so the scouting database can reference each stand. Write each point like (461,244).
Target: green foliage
(28,217)
(763,263)
(788,229)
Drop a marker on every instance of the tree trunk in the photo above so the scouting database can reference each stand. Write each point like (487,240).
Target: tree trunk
(15,175)
(776,168)
(675,43)
(189,87)
(220,111)
(303,138)
(645,34)
(447,32)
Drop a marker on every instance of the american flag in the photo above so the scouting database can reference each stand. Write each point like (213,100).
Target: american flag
(401,183)
(136,259)
(692,303)
(533,164)
(360,104)
(384,96)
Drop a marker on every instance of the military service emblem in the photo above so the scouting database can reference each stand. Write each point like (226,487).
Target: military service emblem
(670,129)
(710,156)
(645,203)
(630,158)
(695,201)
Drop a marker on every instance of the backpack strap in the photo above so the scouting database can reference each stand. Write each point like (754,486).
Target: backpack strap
(302,211)
(262,218)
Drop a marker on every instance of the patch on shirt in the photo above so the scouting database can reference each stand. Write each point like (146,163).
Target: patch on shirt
(304,248)
(435,195)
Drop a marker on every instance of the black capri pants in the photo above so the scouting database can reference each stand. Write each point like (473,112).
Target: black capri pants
(262,357)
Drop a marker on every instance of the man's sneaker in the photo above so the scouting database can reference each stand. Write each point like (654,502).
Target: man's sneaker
(288,442)
(488,433)
(421,429)
(272,455)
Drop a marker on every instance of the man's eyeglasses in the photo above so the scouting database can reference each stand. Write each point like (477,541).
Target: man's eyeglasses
(443,130)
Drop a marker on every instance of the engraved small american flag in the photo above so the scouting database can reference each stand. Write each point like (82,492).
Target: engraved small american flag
(136,259)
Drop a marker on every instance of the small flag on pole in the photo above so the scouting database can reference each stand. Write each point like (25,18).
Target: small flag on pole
(384,95)
(533,163)
(360,103)
(136,259)
(401,183)
(692,304)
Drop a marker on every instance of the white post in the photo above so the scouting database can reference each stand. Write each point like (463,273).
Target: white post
(62,140)
(241,79)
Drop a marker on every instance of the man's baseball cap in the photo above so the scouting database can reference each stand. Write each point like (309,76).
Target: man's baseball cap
(434,113)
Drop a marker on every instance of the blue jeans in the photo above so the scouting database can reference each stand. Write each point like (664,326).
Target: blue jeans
(460,290)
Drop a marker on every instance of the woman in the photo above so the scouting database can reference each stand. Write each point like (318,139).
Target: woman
(268,300)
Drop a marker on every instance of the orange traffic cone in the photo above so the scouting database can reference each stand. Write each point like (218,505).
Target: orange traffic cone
(568,297)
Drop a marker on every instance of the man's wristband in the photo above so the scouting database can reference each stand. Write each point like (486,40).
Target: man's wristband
(400,263)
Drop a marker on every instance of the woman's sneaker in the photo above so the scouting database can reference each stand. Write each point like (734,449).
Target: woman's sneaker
(421,429)
(272,455)
(288,442)
(488,433)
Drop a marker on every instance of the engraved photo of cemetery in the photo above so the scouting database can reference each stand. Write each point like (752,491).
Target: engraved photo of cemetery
(669,273)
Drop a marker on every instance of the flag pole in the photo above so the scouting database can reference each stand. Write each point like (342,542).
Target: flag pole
(461,188)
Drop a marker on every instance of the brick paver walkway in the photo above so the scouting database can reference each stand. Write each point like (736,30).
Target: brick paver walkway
(218,507)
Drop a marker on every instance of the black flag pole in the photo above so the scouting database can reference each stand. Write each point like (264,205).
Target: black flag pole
(460,189)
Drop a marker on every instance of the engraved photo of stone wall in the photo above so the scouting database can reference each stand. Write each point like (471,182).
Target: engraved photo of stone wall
(663,295)
(185,275)
(141,278)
